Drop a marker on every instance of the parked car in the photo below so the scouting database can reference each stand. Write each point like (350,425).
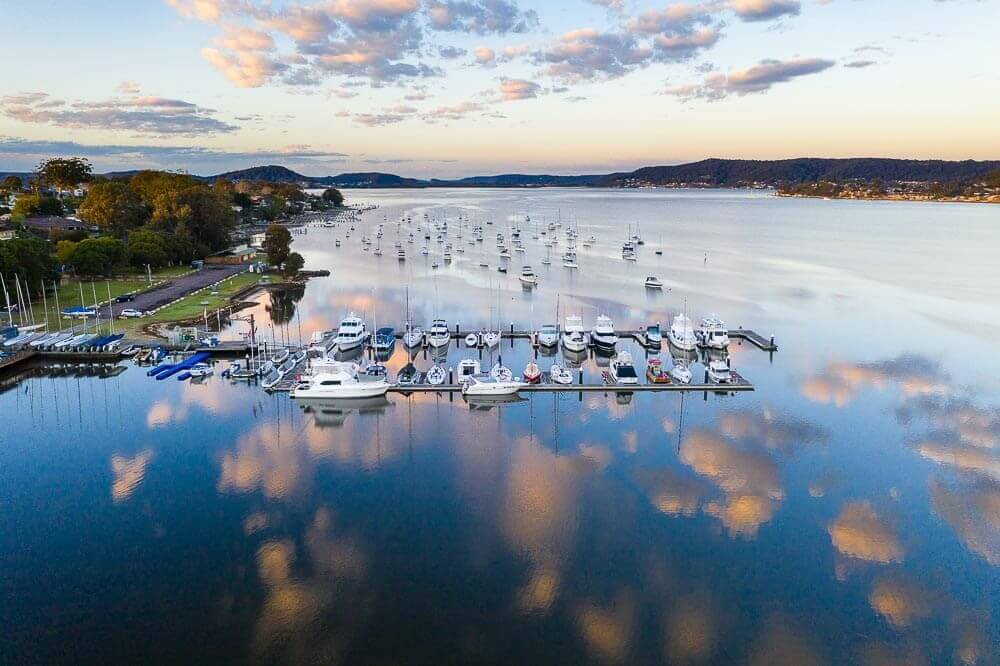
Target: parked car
(131,313)
(125,298)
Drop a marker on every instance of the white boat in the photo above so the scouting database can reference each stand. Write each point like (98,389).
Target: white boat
(680,371)
(719,372)
(472,340)
(574,339)
(622,370)
(201,370)
(322,341)
(439,335)
(413,337)
(338,382)
(682,334)
(351,334)
(436,375)
(501,373)
(560,375)
(548,336)
(468,367)
(713,333)
(532,373)
(487,385)
(603,336)
(653,282)
(528,277)
(491,339)
(654,336)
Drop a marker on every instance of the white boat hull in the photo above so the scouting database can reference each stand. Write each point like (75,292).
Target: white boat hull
(344,391)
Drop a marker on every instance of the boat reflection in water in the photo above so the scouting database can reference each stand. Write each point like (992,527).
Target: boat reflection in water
(484,403)
(332,412)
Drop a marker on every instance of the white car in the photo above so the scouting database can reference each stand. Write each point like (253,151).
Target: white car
(131,313)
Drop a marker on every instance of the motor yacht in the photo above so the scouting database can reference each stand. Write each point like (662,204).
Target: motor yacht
(713,333)
(439,336)
(680,372)
(338,382)
(719,372)
(574,339)
(385,339)
(653,282)
(622,370)
(487,385)
(654,336)
(682,334)
(560,375)
(528,277)
(603,336)
(351,334)
(548,336)
(468,367)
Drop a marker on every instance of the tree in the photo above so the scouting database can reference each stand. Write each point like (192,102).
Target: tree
(334,196)
(293,264)
(113,206)
(11,183)
(277,244)
(273,207)
(64,251)
(64,173)
(29,258)
(147,247)
(36,204)
(98,256)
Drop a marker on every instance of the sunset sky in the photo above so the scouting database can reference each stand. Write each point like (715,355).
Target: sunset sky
(463,87)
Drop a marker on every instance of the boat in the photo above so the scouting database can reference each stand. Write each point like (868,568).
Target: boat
(622,370)
(322,341)
(653,282)
(680,371)
(385,339)
(439,335)
(487,385)
(413,337)
(401,254)
(528,277)
(351,334)
(574,339)
(280,356)
(713,333)
(569,260)
(560,375)
(719,372)
(603,336)
(472,340)
(436,375)
(491,339)
(468,367)
(655,373)
(338,382)
(681,333)
(532,373)
(201,370)
(407,375)
(654,336)
(548,336)
(501,373)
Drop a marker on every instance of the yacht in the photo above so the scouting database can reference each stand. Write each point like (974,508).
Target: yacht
(653,336)
(338,382)
(622,370)
(468,367)
(439,335)
(560,375)
(321,341)
(574,339)
(528,277)
(351,334)
(713,333)
(385,339)
(603,336)
(719,372)
(548,336)
(680,371)
(682,334)
(569,260)
(487,385)
(401,254)
(653,282)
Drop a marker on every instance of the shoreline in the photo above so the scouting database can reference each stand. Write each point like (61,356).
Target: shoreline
(993,199)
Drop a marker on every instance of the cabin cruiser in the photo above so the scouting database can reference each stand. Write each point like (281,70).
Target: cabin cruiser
(603,336)
(719,372)
(374,372)
(653,282)
(655,373)
(713,333)
(413,337)
(560,375)
(338,382)
(548,336)
(487,385)
(532,373)
(468,367)
(439,335)
(680,371)
(569,260)
(622,370)
(682,334)
(385,339)
(654,336)
(351,334)
(528,277)
(574,339)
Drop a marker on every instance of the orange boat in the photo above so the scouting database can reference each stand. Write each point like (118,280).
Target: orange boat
(655,373)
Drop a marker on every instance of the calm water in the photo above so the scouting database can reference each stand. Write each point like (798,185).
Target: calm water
(848,510)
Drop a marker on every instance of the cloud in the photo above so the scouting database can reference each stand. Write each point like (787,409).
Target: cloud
(148,116)
(861,533)
(514,89)
(616,6)
(245,69)
(764,10)
(754,79)
(485,55)
(479,16)
(587,53)
(379,119)
(839,382)
(451,52)
(860,64)
(128,88)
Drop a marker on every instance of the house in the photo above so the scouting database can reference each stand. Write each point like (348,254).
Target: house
(257,240)
(46,224)
(236,255)
(6,232)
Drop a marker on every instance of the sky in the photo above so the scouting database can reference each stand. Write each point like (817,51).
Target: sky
(451,88)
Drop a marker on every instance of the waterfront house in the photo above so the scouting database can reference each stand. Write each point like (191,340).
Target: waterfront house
(235,255)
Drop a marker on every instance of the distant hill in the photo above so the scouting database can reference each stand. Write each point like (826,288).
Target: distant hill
(271,173)
(370,180)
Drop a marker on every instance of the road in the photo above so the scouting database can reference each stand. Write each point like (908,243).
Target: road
(178,287)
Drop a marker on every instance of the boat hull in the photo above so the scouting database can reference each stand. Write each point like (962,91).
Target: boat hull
(343,392)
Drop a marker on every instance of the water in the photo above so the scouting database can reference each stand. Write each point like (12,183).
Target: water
(848,510)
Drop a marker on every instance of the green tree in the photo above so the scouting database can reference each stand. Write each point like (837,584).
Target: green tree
(277,244)
(64,172)
(29,258)
(36,204)
(64,251)
(147,247)
(112,205)
(273,207)
(333,196)
(293,264)
(11,183)
(98,256)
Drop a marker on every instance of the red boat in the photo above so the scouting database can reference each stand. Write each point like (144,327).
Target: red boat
(655,373)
